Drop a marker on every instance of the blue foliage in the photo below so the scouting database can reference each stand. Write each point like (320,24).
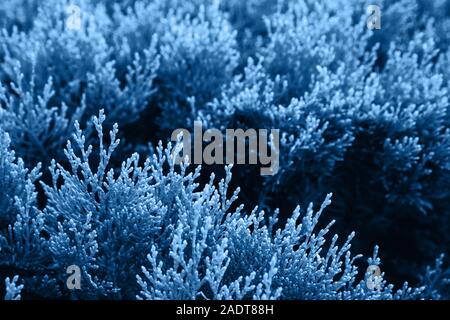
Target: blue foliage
(21,221)
(99,220)
(12,289)
(37,128)
(53,75)
(362,113)
(436,280)
(22,245)
(197,47)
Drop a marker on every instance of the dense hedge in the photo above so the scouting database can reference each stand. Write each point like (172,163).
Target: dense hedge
(363,114)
